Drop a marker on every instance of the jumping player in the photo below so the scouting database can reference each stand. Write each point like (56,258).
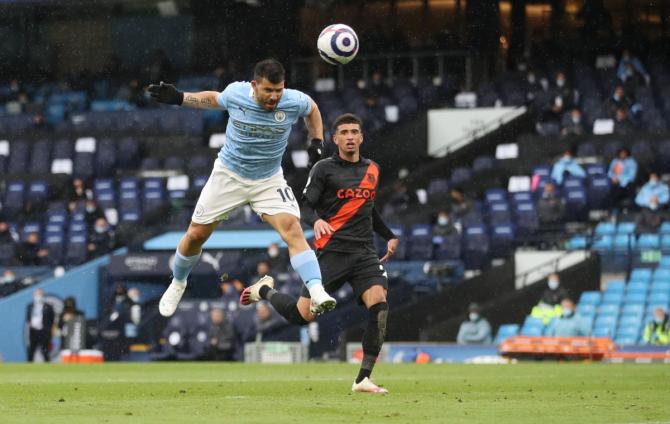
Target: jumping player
(248,171)
(339,203)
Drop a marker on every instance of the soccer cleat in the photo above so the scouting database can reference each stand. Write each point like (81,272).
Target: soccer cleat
(252,293)
(171,298)
(367,386)
(321,302)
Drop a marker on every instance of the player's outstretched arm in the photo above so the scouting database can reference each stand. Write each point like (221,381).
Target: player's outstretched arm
(168,94)
(314,125)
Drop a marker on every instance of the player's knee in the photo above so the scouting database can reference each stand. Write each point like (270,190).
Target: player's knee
(196,236)
(293,230)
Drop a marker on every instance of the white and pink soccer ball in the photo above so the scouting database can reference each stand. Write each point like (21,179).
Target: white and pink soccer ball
(338,44)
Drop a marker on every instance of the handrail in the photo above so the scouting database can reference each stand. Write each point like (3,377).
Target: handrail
(552,264)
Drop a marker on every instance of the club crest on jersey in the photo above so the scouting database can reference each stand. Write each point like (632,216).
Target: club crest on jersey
(280,116)
(371,178)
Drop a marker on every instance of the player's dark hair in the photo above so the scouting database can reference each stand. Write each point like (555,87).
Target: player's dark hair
(347,118)
(271,70)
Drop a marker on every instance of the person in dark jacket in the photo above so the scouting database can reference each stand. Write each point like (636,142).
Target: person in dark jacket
(554,293)
(40,320)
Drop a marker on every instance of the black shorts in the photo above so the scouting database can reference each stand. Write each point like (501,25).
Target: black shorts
(361,270)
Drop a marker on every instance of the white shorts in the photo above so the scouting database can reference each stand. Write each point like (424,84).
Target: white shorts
(225,191)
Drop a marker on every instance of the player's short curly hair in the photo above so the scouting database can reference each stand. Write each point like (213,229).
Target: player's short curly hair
(347,118)
(271,70)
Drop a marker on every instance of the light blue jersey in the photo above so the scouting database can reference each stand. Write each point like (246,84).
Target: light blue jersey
(255,137)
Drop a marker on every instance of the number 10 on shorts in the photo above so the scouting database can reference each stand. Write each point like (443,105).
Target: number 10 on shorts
(286,194)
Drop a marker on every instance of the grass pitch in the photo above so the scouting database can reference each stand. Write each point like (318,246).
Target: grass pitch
(319,393)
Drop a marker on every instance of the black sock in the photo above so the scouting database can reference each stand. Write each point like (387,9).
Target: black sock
(286,305)
(373,338)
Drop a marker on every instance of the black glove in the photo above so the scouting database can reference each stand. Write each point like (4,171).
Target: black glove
(166,93)
(315,152)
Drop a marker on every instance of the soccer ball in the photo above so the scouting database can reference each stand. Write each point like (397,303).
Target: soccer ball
(337,44)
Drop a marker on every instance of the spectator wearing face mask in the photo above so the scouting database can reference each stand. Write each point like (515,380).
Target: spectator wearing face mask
(476,329)
(92,213)
(657,331)
(654,194)
(40,319)
(566,165)
(101,240)
(444,226)
(631,67)
(622,173)
(569,323)
(221,337)
(572,123)
(276,259)
(549,306)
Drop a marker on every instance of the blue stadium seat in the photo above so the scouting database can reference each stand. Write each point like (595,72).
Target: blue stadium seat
(660,287)
(526,218)
(447,247)
(586,309)
(590,297)
(483,163)
(475,247)
(625,340)
(636,309)
(174,163)
(615,286)
(499,213)
(106,199)
(576,204)
(40,161)
(605,228)
(630,320)
(665,228)
(602,331)
(14,197)
(522,197)
(648,241)
(77,249)
(641,274)
(38,192)
(105,157)
(460,175)
(612,298)
(152,200)
(532,331)
(624,242)
(542,171)
(596,169)
(502,240)
(599,192)
(129,183)
(495,195)
(637,287)
(658,298)
(665,243)
(626,228)
(129,199)
(421,243)
(635,297)
(130,215)
(573,183)
(103,184)
(55,242)
(198,164)
(438,188)
(580,243)
(63,149)
(611,307)
(664,262)
(19,157)
(661,274)
(84,165)
(505,331)
(128,153)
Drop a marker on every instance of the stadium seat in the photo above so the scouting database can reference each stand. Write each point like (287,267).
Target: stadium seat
(499,214)
(612,307)
(665,243)
(586,309)
(505,331)
(658,298)
(40,161)
(612,298)
(626,228)
(475,247)
(496,195)
(590,297)
(637,287)
(77,249)
(648,241)
(605,228)
(664,262)
(661,274)
(599,192)
(447,247)
(576,204)
(636,309)
(14,197)
(630,320)
(19,157)
(615,286)
(660,287)
(635,297)
(641,274)
(596,169)
(580,243)
(502,240)
(38,192)
(624,242)
(421,242)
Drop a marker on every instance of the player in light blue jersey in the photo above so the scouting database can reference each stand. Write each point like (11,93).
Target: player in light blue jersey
(248,171)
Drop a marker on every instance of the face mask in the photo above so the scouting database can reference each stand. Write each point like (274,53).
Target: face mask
(544,83)
(134,298)
(560,82)
(531,78)
(90,209)
(100,230)
(653,206)
(658,320)
(119,299)
(617,97)
(568,313)
(38,298)
(442,220)
(576,119)
(273,253)
(553,284)
(474,316)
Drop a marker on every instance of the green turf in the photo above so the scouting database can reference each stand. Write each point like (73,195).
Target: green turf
(319,393)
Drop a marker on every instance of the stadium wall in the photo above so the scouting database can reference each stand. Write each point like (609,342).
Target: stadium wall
(80,282)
